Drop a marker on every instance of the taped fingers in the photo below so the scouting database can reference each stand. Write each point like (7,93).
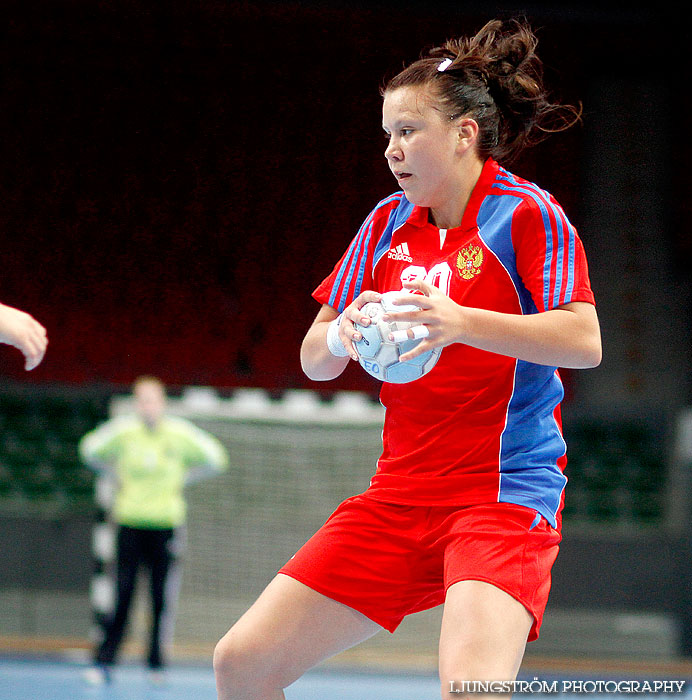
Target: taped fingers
(417,331)
(420,332)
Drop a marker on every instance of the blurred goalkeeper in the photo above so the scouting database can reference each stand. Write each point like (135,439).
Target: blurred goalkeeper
(151,457)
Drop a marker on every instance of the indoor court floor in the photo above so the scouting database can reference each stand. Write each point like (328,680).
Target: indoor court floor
(39,679)
(26,678)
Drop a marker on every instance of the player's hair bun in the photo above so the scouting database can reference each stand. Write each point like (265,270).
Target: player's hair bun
(496,78)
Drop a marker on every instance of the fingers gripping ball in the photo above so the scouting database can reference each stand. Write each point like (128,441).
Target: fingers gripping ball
(379,356)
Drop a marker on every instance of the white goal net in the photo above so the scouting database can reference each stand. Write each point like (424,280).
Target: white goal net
(293,461)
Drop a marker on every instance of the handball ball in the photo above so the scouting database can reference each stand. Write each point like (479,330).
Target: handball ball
(379,356)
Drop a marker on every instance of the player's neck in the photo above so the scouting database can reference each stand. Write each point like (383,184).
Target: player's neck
(151,423)
(450,213)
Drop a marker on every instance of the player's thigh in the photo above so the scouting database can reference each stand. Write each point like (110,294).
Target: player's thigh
(483,635)
(287,631)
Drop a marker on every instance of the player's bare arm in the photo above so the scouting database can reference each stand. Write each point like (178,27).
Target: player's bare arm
(22,331)
(567,336)
(317,361)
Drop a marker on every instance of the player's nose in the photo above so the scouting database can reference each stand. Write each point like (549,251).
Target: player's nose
(393,152)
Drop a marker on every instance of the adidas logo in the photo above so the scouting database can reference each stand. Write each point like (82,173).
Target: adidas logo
(401,252)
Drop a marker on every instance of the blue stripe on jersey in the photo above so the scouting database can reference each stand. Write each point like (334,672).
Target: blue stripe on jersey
(495,230)
(545,205)
(531,442)
(397,218)
(348,266)
(359,276)
(355,260)
(570,262)
(349,253)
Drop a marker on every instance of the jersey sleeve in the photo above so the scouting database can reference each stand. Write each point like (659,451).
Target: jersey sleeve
(102,445)
(200,448)
(353,274)
(550,255)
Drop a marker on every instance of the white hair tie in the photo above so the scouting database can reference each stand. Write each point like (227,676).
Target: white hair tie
(444,65)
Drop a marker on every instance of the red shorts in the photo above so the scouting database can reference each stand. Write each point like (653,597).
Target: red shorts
(388,560)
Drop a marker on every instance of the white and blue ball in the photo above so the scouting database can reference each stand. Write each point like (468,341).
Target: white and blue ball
(379,356)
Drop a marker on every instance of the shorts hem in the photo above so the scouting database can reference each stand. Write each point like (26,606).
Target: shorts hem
(332,596)
(535,626)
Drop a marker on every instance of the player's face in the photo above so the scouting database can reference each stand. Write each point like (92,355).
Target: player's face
(150,402)
(423,146)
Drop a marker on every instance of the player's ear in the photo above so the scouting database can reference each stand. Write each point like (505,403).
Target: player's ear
(467,132)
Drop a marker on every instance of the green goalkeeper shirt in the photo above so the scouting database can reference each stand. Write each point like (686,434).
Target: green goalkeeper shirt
(152,466)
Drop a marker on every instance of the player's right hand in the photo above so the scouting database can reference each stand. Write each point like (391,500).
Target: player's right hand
(352,314)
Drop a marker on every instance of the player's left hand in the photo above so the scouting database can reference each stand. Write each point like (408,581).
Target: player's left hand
(439,317)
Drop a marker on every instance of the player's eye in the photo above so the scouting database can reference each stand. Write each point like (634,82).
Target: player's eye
(402,133)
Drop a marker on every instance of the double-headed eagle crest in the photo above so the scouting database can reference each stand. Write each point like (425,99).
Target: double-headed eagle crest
(469,261)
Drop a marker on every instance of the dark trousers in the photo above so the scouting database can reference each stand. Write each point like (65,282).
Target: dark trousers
(138,546)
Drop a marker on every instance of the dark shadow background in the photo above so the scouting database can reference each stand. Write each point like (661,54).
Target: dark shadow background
(177,177)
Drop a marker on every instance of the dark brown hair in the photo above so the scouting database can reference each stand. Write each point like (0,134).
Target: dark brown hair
(496,78)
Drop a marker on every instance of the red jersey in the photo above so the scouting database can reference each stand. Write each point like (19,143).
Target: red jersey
(480,427)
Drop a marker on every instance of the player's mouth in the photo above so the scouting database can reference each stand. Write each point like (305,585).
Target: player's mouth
(401,176)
